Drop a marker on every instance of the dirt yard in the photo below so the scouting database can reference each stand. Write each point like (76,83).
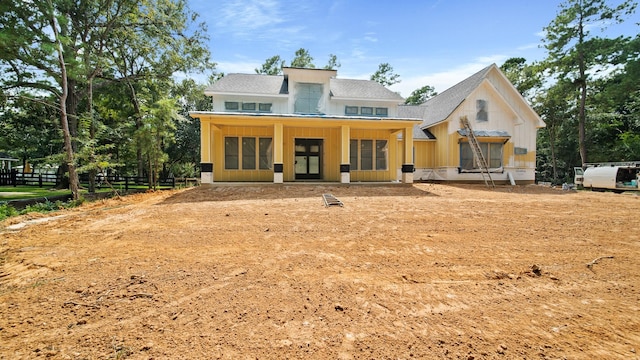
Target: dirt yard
(268,272)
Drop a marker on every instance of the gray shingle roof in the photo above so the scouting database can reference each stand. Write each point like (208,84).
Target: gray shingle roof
(439,107)
(278,85)
(250,84)
(362,89)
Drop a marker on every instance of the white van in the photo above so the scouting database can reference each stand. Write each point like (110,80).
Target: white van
(618,178)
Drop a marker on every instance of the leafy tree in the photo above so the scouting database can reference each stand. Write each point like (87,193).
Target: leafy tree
(271,66)
(155,133)
(573,53)
(333,63)
(556,141)
(385,75)
(59,46)
(29,129)
(184,152)
(419,96)
(302,59)
(526,78)
(157,51)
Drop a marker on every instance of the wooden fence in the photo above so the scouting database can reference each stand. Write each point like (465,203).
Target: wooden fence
(8,177)
(15,178)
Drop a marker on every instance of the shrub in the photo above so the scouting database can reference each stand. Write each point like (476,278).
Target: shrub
(7,211)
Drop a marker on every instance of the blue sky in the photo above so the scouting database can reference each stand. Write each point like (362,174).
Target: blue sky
(427,42)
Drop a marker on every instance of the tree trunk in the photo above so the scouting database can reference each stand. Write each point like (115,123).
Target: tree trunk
(92,135)
(582,147)
(552,145)
(136,108)
(64,120)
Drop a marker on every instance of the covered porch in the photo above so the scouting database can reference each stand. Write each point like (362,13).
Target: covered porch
(241,147)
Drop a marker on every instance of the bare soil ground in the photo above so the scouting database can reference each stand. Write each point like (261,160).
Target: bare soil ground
(268,272)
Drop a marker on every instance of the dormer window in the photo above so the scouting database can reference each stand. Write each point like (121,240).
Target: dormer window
(382,111)
(265,107)
(308,97)
(351,110)
(366,111)
(482,110)
(231,105)
(248,106)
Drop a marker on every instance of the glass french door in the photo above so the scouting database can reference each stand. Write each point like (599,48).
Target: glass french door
(308,161)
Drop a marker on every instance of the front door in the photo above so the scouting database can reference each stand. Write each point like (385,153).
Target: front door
(308,159)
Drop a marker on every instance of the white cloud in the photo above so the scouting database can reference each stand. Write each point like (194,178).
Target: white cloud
(242,15)
(370,36)
(244,67)
(443,80)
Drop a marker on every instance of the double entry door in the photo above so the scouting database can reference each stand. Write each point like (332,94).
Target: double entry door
(308,159)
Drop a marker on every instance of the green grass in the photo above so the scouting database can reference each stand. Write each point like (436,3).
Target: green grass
(22,192)
(28,192)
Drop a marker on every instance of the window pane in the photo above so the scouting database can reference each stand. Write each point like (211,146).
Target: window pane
(381,154)
(484,147)
(366,154)
(466,156)
(265,107)
(495,160)
(482,111)
(353,154)
(366,110)
(249,106)
(382,111)
(248,153)
(231,153)
(266,153)
(351,110)
(231,105)
(308,98)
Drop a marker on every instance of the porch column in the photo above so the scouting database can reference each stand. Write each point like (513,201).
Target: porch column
(345,158)
(278,154)
(206,163)
(407,156)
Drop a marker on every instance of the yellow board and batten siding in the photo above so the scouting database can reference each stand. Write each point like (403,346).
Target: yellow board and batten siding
(392,163)
(222,174)
(331,150)
(214,134)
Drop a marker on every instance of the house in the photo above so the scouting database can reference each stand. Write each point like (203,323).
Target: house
(307,124)
(6,160)
(503,122)
(303,125)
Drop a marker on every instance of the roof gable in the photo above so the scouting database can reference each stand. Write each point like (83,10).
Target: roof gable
(441,106)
